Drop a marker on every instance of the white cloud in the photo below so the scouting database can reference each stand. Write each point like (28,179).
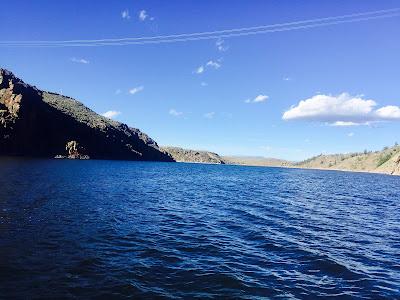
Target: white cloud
(143,15)
(111,114)
(350,134)
(260,98)
(390,112)
(345,124)
(287,78)
(257,99)
(175,113)
(79,60)
(209,115)
(199,70)
(220,44)
(341,110)
(136,90)
(213,64)
(125,14)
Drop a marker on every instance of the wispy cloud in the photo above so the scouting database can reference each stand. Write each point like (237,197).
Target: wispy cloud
(118,91)
(350,134)
(257,99)
(341,110)
(203,83)
(175,113)
(346,124)
(199,70)
(136,90)
(287,78)
(125,14)
(221,46)
(209,115)
(111,114)
(79,60)
(211,64)
(143,16)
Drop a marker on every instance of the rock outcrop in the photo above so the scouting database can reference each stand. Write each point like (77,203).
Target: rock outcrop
(396,167)
(74,151)
(39,123)
(194,156)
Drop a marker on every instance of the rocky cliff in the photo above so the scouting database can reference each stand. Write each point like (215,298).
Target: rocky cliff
(195,156)
(39,123)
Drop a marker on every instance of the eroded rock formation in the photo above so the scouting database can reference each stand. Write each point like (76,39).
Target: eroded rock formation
(396,170)
(74,151)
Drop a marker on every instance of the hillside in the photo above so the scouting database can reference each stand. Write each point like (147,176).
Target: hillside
(256,161)
(196,156)
(386,161)
(39,123)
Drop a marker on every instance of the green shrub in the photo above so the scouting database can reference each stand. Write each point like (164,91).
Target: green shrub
(382,159)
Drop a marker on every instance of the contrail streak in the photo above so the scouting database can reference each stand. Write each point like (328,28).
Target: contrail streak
(305,24)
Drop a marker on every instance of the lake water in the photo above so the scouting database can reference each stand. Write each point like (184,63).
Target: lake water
(114,229)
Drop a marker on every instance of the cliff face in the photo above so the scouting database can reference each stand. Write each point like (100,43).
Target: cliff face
(39,123)
(186,155)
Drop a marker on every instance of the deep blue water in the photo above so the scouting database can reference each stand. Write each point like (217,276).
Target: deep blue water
(113,229)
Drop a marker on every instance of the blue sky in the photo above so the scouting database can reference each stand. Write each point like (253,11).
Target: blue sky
(226,95)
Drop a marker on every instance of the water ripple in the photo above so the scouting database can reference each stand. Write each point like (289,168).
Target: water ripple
(108,229)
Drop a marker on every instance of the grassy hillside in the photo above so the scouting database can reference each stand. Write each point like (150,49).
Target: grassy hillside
(385,161)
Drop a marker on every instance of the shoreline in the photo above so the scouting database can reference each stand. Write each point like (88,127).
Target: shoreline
(209,163)
(290,167)
(319,169)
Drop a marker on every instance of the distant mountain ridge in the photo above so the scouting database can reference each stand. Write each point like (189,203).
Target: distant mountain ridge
(256,161)
(40,123)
